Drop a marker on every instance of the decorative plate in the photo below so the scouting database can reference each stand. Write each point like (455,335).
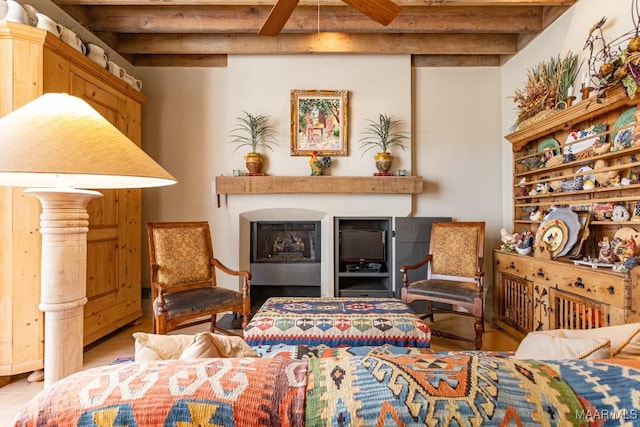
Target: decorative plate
(586,138)
(549,143)
(588,175)
(553,235)
(571,220)
(626,233)
(624,136)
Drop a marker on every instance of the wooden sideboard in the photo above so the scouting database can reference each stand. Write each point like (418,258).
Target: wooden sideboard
(33,62)
(541,292)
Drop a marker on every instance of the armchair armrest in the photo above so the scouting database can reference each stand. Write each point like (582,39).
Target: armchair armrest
(404,269)
(246,275)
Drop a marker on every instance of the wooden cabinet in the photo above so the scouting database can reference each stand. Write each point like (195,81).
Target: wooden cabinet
(543,292)
(33,62)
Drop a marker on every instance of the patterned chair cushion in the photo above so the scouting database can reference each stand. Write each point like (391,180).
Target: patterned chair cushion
(454,251)
(182,255)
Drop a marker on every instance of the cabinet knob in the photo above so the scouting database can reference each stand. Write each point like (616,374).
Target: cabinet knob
(512,265)
(611,290)
(578,283)
(540,273)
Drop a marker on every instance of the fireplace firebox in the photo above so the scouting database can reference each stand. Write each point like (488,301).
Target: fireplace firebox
(285,259)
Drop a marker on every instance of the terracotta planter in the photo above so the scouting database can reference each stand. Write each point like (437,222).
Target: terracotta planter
(253,161)
(383,161)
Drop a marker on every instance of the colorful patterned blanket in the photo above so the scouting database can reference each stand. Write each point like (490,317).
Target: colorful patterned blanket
(457,389)
(175,393)
(469,390)
(337,322)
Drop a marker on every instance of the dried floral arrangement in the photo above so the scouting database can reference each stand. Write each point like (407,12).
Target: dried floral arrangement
(616,62)
(547,86)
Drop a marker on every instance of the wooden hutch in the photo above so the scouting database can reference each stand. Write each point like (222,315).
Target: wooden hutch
(536,292)
(33,62)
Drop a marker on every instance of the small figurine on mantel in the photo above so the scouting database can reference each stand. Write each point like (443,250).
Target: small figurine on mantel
(318,164)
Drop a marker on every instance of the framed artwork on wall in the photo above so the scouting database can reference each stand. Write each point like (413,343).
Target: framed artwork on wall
(319,122)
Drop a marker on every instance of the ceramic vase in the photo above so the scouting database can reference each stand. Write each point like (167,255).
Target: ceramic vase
(383,162)
(253,162)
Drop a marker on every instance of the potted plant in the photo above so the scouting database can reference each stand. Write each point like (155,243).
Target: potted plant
(253,131)
(383,134)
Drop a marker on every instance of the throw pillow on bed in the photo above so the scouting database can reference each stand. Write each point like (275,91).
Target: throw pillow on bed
(542,346)
(159,347)
(207,344)
(625,339)
(204,344)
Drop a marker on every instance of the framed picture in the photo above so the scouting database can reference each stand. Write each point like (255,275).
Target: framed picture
(319,122)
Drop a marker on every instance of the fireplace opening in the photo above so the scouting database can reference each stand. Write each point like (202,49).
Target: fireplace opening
(285,259)
(285,242)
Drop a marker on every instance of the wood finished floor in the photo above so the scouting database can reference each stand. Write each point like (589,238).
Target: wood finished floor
(121,344)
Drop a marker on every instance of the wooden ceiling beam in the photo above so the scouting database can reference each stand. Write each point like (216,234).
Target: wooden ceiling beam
(456,61)
(246,44)
(238,19)
(401,3)
(141,60)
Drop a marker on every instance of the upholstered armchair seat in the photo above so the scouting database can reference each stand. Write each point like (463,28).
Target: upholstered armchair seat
(197,301)
(444,289)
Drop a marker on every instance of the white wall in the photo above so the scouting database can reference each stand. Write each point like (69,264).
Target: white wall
(458,118)
(453,114)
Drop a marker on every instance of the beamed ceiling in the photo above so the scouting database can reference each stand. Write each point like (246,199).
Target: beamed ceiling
(196,33)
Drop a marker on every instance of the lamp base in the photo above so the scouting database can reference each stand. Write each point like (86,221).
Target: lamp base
(64,224)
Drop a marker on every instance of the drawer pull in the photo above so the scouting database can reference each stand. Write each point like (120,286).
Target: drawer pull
(611,290)
(540,273)
(579,284)
(512,265)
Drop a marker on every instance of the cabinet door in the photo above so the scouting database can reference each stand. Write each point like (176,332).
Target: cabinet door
(113,300)
(113,241)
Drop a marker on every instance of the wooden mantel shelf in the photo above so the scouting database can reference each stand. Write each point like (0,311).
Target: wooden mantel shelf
(318,184)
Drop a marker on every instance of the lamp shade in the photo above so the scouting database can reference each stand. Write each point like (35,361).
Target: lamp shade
(59,140)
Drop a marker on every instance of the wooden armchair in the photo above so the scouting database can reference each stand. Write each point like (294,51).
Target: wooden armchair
(455,275)
(183,278)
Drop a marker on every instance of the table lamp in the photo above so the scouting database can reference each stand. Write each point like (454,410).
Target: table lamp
(59,145)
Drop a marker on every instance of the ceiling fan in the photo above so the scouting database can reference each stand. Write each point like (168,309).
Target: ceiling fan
(382,11)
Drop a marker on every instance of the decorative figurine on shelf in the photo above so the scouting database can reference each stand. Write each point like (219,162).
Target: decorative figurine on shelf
(624,249)
(605,255)
(318,164)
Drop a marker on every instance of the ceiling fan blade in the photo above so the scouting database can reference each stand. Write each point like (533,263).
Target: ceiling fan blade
(278,16)
(382,11)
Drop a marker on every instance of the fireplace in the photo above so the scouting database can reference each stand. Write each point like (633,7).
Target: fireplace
(285,259)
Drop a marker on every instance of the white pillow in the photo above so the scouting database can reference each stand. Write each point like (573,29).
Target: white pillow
(625,339)
(207,344)
(159,347)
(543,346)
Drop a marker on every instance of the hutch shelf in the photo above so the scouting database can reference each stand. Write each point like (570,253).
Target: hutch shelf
(535,292)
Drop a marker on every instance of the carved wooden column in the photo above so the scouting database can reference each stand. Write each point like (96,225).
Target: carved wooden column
(64,224)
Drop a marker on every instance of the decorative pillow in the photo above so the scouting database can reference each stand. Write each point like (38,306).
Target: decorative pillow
(625,339)
(207,344)
(159,347)
(543,346)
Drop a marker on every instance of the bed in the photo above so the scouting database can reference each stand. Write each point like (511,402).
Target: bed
(315,368)
(337,322)
(424,388)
